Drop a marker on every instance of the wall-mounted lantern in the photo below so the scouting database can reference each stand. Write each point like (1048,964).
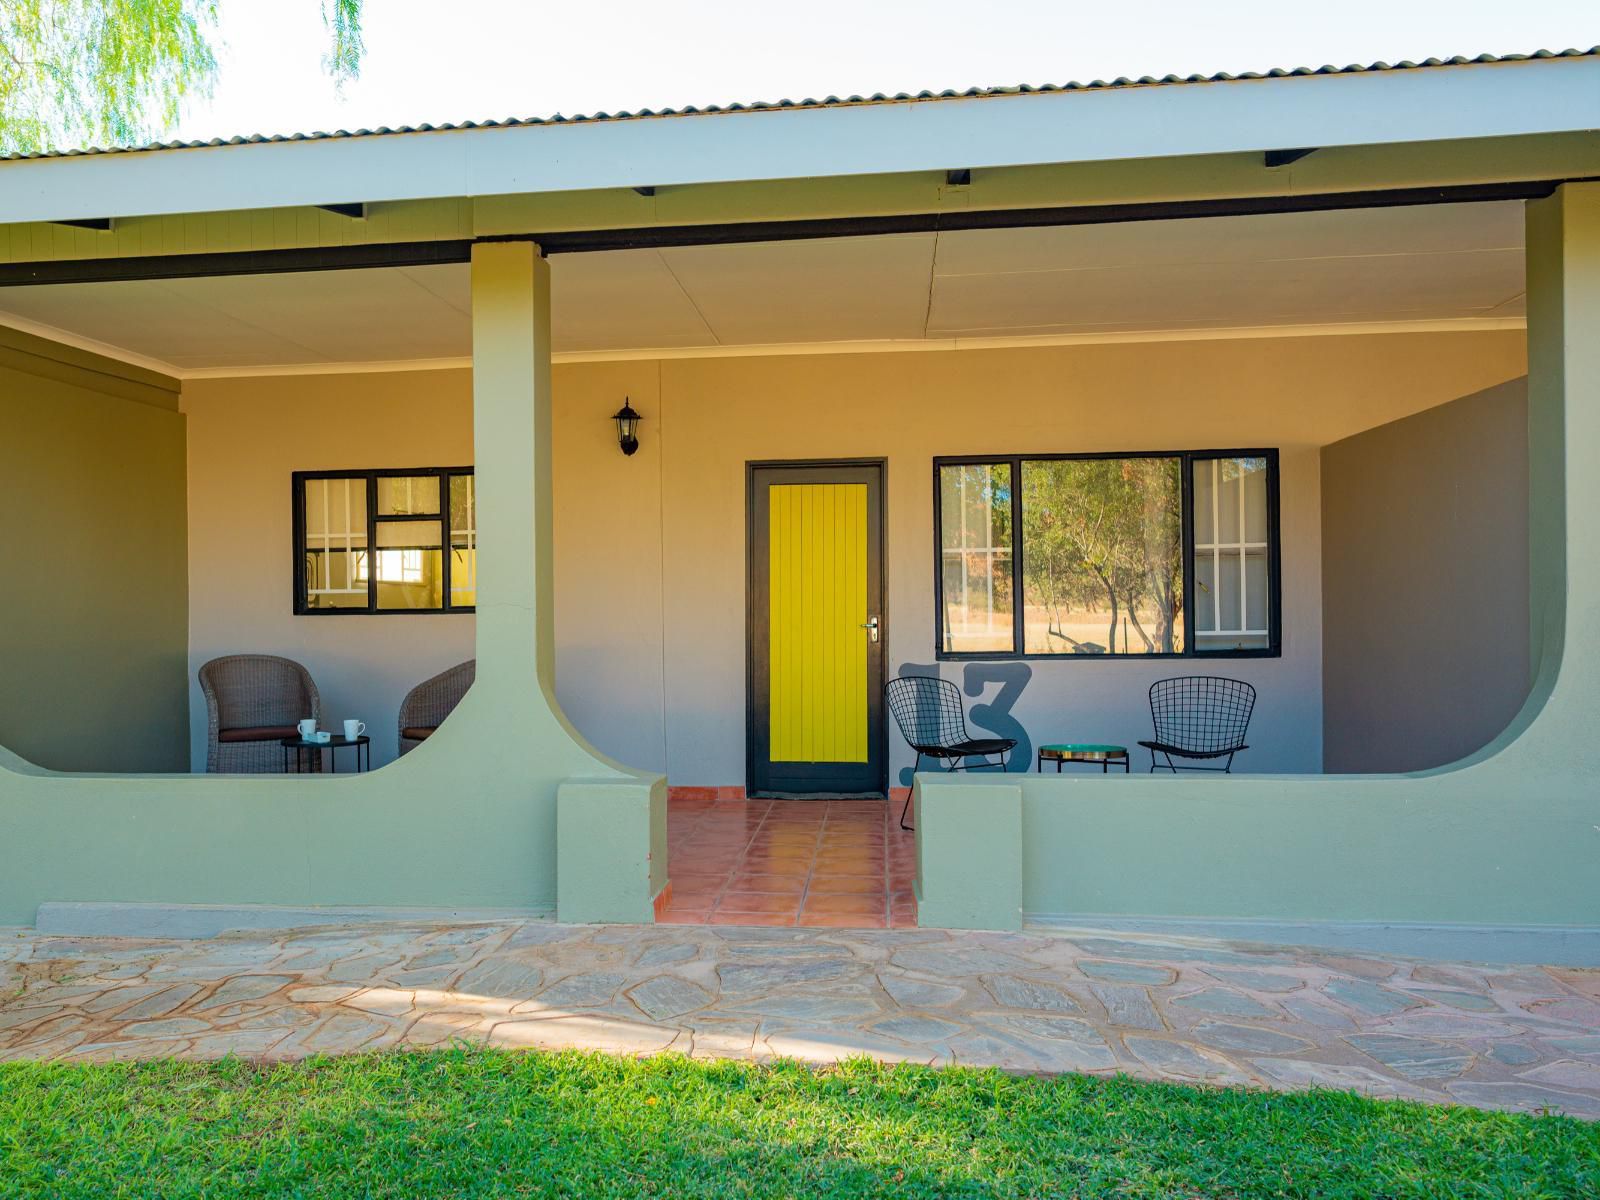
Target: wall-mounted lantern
(627,427)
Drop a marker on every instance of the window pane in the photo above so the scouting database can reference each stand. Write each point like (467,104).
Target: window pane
(1232,608)
(1205,513)
(1255,589)
(335,543)
(463,542)
(1205,594)
(1255,498)
(332,582)
(975,557)
(410,564)
(1102,556)
(1229,491)
(463,578)
(409,534)
(408,495)
(1229,590)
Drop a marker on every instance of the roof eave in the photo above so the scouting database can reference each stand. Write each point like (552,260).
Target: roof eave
(1501,98)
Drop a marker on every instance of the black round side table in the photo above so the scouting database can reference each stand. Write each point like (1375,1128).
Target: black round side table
(1083,752)
(338,742)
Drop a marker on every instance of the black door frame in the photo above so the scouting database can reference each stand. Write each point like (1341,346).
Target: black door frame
(757,779)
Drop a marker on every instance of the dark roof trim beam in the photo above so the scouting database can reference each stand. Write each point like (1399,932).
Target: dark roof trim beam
(661,236)
(356,212)
(413,254)
(1282,158)
(102,224)
(244,262)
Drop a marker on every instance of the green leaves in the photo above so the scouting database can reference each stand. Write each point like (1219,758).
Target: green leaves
(343,19)
(99,72)
(79,73)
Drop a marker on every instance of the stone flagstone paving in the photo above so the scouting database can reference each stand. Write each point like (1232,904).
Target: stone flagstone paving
(1182,1009)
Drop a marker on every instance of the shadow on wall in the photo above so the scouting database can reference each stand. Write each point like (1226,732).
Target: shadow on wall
(994,717)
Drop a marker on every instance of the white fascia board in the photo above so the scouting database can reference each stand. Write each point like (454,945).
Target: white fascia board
(1373,108)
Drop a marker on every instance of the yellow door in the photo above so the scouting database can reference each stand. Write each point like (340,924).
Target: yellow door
(818,606)
(822,644)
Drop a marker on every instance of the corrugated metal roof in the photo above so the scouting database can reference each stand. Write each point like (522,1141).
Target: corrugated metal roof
(825,102)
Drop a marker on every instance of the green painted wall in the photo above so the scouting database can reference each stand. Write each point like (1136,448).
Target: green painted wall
(94,613)
(611,849)
(969,869)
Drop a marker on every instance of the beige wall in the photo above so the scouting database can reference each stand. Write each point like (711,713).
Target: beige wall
(93,611)
(246,437)
(1425,584)
(650,550)
(680,502)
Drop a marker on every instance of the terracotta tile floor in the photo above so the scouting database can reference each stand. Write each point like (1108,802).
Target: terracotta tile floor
(817,863)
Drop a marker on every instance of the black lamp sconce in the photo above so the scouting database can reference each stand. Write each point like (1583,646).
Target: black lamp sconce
(627,427)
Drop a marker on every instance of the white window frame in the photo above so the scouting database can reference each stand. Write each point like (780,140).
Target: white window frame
(991,555)
(331,538)
(1216,549)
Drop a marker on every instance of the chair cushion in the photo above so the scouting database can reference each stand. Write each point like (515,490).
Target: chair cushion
(985,746)
(974,747)
(258,733)
(1164,748)
(417,733)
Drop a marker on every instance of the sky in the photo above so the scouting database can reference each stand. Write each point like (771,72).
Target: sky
(453,60)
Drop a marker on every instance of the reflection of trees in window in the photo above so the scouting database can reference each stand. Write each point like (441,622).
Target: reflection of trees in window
(1106,554)
(1105,535)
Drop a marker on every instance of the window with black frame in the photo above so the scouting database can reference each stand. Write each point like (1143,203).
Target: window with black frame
(1099,554)
(385,541)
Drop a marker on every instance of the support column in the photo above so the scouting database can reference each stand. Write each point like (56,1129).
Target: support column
(511,441)
(1563,281)
(512,444)
(610,823)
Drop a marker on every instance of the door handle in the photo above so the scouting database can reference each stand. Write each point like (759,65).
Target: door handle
(871,627)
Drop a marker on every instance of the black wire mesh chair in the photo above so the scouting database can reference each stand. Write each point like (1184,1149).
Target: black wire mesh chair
(929,713)
(1199,717)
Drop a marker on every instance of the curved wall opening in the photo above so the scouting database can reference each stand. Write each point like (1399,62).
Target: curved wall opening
(1425,584)
(241,536)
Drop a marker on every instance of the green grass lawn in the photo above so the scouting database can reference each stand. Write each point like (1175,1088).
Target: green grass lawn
(487,1123)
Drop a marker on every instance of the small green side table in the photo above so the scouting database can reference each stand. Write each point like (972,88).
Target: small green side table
(1083,752)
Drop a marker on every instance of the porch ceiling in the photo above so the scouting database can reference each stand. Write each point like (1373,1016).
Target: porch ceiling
(1327,269)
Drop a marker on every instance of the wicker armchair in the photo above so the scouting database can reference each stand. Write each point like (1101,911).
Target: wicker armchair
(431,701)
(253,701)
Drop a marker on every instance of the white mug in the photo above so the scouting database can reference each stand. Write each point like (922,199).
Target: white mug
(354,729)
(307,728)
